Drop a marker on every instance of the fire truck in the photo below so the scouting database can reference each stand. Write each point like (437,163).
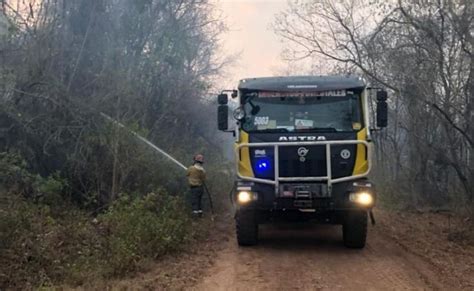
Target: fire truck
(303,151)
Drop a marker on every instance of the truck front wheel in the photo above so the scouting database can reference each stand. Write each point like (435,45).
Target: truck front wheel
(354,229)
(246,228)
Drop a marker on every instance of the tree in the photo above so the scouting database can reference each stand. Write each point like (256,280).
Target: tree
(147,63)
(422,51)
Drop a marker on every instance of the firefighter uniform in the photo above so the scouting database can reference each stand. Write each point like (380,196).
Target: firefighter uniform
(196,177)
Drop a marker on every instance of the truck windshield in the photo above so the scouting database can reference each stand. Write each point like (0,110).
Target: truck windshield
(290,114)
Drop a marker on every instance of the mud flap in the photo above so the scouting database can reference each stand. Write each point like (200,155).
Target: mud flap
(372,218)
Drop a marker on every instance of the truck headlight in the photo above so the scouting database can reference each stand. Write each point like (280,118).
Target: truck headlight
(362,198)
(244,197)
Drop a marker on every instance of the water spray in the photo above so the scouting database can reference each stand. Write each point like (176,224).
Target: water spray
(144,140)
(168,156)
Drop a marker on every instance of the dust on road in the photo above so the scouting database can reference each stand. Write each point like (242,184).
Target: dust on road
(312,257)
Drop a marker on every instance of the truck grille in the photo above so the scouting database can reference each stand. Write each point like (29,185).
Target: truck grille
(314,163)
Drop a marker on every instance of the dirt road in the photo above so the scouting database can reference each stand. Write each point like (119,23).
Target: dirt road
(405,251)
(309,257)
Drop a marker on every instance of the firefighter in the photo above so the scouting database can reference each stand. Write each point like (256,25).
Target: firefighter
(196,177)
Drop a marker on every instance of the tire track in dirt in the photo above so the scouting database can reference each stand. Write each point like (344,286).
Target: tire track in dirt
(302,257)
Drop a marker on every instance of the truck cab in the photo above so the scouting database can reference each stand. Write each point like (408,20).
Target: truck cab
(303,152)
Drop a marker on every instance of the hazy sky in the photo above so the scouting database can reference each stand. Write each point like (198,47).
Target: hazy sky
(250,33)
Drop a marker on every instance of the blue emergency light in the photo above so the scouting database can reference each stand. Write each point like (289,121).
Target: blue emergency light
(263,165)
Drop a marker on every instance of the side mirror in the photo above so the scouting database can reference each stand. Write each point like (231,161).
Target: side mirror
(223,117)
(382,109)
(255,110)
(222,99)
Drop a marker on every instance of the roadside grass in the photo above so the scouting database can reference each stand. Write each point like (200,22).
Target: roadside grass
(48,239)
(42,246)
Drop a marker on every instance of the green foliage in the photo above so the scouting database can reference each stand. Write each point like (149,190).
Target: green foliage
(14,174)
(147,227)
(40,247)
(51,189)
(44,239)
(15,177)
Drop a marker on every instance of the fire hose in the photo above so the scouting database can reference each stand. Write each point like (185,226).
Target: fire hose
(168,156)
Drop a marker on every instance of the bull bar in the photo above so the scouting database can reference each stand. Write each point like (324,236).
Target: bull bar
(328,178)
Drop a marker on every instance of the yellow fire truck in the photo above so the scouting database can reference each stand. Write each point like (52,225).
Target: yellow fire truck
(303,152)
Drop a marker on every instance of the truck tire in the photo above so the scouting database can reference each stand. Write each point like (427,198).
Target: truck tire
(246,228)
(354,229)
